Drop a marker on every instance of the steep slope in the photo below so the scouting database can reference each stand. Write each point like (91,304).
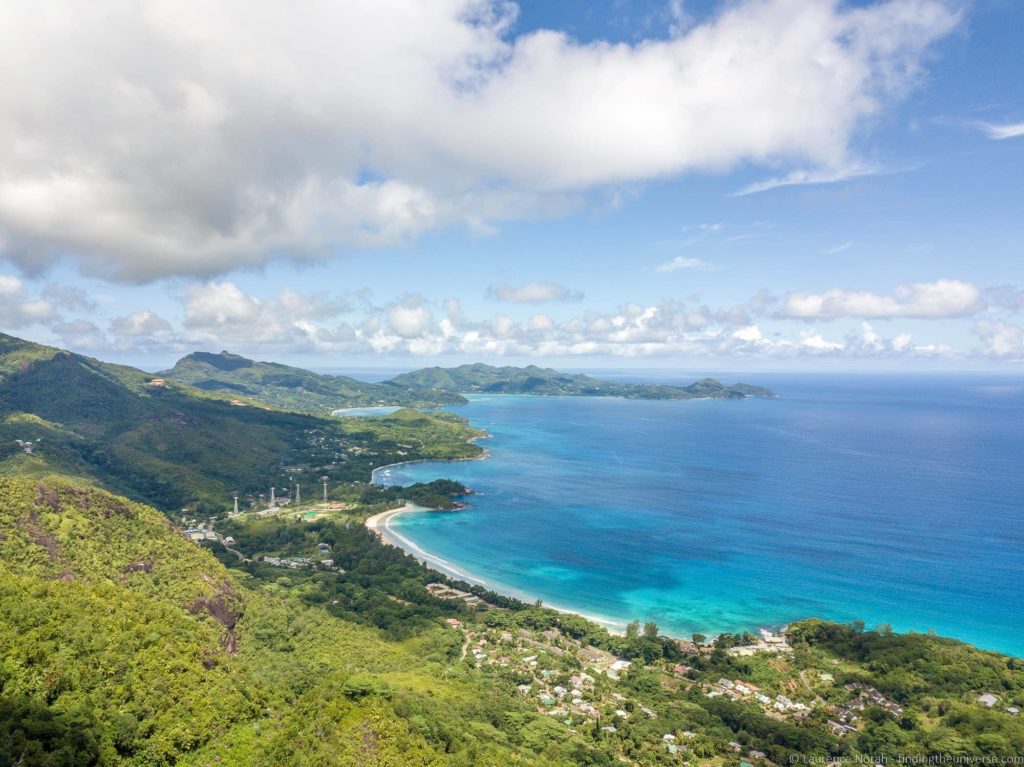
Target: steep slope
(545,381)
(121,643)
(293,388)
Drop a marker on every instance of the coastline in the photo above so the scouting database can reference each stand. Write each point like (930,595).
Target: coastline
(484,455)
(380,525)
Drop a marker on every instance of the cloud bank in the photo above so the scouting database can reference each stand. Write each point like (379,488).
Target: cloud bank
(218,314)
(178,137)
(924,300)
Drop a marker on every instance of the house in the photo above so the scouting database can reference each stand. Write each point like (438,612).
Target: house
(988,699)
(229,541)
(1013,711)
(453,622)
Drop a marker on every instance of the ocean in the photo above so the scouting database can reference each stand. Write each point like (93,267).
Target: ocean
(887,499)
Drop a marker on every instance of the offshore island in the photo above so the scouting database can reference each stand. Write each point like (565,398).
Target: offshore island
(218,537)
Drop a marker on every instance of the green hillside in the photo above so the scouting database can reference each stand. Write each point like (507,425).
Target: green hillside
(175,446)
(293,388)
(123,643)
(487,379)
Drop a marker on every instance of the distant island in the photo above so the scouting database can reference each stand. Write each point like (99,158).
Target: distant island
(292,388)
(487,379)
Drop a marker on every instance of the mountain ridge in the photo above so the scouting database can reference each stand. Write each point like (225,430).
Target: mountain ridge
(172,445)
(293,388)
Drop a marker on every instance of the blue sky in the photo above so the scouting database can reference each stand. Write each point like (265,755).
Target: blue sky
(582,184)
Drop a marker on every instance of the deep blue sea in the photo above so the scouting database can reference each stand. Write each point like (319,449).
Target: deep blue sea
(887,499)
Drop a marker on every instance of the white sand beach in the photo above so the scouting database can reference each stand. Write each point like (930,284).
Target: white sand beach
(380,524)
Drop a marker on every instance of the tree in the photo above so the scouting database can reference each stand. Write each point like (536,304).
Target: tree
(651,630)
(633,630)
(699,639)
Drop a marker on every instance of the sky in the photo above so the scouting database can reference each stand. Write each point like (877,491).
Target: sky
(682,185)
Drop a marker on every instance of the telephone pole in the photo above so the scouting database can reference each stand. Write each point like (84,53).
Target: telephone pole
(324,480)
(298,494)
(273,501)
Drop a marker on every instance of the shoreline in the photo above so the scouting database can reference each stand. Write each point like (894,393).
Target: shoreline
(484,455)
(380,525)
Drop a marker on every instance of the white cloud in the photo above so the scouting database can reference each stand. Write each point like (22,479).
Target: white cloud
(410,318)
(814,177)
(928,300)
(141,323)
(1000,339)
(1000,132)
(80,334)
(17,310)
(188,138)
(222,313)
(540,323)
(681,262)
(533,293)
(9,286)
(815,341)
(750,333)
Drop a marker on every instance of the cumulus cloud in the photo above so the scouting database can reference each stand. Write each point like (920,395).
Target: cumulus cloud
(222,312)
(222,315)
(17,310)
(927,300)
(410,317)
(533,293)
(80,334)
(187,138)
(142,323)
(1001,340)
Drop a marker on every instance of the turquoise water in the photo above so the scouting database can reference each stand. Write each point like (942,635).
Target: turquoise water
(890,500)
